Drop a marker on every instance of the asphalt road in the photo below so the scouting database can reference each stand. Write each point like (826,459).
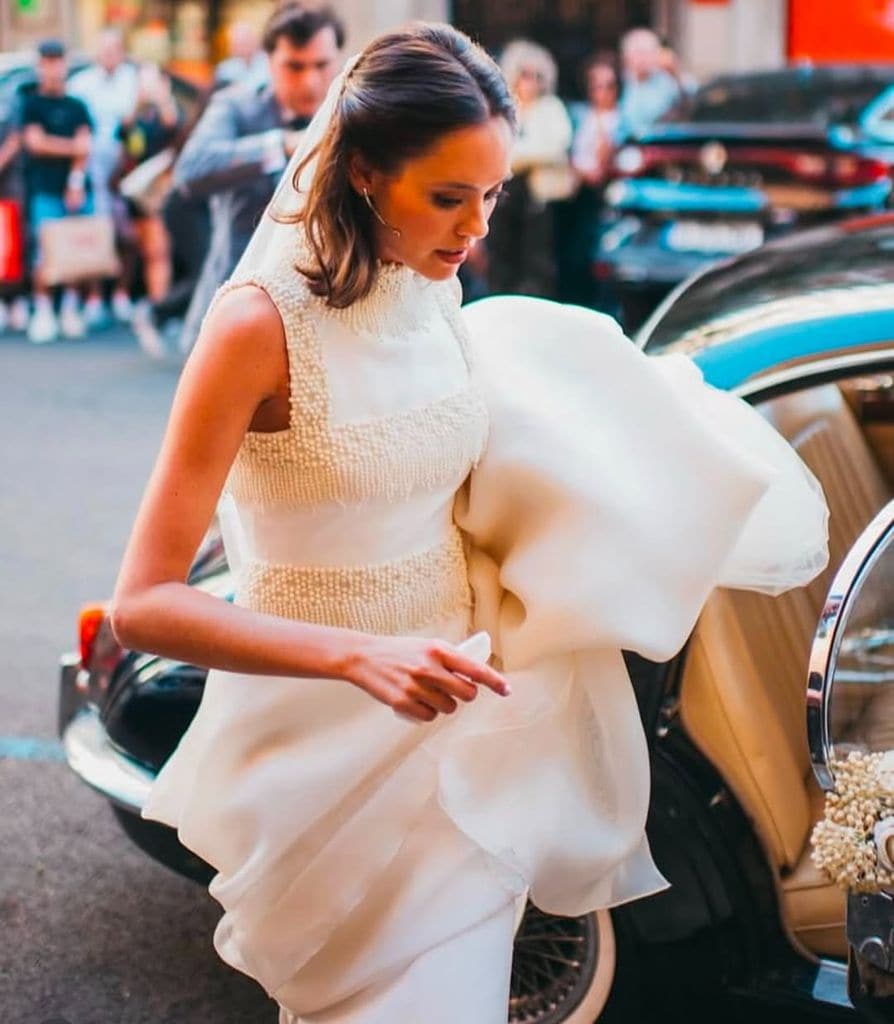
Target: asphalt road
(91,930)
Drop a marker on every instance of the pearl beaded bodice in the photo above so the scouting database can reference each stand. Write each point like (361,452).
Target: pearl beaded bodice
(345,516)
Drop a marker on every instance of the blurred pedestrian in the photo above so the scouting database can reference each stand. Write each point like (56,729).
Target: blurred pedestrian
(595,139)
(669,61)
(147,132)
(240,146)
(247,63)
(592,153)
(108,88)
(649,90)
(56,137)
(520,245)
(14,308)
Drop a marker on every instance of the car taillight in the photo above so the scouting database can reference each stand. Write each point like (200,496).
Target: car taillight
(89,622)
(809,165)
(854,170)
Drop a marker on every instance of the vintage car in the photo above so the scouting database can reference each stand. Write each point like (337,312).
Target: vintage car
(748,158)
(804,329)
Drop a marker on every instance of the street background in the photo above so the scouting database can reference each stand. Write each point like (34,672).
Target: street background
(92,931)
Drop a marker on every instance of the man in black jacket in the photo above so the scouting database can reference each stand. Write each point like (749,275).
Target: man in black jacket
(244,139)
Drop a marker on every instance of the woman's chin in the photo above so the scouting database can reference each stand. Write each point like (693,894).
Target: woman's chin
(439,269)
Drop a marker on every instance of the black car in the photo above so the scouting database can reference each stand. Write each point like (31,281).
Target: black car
(736,724)
(748,158)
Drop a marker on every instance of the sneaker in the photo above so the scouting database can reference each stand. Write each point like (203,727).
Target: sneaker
(122,307)
(43,326)
(19,312)
(71,322)
(148,336)
(96,316)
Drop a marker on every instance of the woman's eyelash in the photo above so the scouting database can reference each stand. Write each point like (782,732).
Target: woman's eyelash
(448,202)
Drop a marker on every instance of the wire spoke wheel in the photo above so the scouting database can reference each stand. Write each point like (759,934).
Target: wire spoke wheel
(553,967)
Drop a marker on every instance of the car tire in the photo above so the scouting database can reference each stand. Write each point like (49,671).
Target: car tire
(161,843)
(562,968)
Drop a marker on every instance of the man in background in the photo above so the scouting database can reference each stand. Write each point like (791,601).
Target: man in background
(247,63)
(649,90)
(241,144)
(56,137)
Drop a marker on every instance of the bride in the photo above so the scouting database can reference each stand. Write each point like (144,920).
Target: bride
(444,526)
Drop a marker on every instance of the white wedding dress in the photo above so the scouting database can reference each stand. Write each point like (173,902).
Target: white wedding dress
(371,869)
(346,519)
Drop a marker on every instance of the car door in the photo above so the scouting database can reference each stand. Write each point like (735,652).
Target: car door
(850,724)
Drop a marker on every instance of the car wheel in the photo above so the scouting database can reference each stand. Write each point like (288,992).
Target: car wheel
(562,968)
(161,843)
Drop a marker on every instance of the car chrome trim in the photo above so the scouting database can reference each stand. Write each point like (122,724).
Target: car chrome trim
(827,640)
(642,336)
(91,755)
(772,383)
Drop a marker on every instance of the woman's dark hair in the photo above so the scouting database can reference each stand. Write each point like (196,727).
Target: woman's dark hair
(600,59)
(299,23)
(406,90)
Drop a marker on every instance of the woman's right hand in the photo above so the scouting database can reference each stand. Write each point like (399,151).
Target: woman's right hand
(419,678)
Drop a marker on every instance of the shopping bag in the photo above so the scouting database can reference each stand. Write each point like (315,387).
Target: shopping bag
(78,248)
(12,265)
(148,184)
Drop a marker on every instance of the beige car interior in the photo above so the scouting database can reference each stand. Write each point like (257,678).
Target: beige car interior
(743,688)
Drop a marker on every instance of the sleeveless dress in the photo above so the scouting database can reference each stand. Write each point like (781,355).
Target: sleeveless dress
(390,913)
(371,869)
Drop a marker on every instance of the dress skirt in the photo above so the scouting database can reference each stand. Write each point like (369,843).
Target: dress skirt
(350,893)
(438,883)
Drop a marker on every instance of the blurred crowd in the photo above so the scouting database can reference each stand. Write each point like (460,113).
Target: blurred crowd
(544,238)
(117,207)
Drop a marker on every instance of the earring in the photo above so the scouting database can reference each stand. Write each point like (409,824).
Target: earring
(376,213)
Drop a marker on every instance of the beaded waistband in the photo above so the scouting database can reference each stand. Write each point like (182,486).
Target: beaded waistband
(389,598)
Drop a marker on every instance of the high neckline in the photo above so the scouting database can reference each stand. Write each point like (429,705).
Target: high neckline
(400,300)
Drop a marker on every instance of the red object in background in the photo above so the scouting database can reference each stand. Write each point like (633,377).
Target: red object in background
(825,31)
(90,620)
(11,242)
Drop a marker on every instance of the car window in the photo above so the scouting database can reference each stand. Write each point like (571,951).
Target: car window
(820,98)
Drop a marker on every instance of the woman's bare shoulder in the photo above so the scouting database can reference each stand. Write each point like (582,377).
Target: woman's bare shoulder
(241,348)
(244,308)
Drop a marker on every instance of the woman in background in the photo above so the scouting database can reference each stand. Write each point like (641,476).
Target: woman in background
(521,256)
(592,153)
